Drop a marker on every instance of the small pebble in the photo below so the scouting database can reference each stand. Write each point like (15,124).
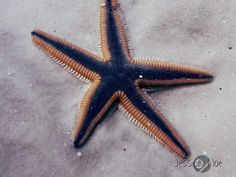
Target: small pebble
(79,154)
(224,21)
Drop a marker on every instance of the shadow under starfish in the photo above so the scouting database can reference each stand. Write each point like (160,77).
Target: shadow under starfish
(118,78)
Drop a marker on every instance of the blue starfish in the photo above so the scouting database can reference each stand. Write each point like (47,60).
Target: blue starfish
(118,78)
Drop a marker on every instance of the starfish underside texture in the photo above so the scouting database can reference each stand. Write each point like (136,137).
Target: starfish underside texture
(118,78)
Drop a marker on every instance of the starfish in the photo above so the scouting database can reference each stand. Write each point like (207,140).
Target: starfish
(118,78)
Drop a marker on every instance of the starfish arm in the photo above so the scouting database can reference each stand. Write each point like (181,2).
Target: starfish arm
(114,43)
(76,59)
(164,73)
(94,106)
(136,104)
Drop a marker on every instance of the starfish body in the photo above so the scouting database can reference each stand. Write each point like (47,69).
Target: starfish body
(118,78)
